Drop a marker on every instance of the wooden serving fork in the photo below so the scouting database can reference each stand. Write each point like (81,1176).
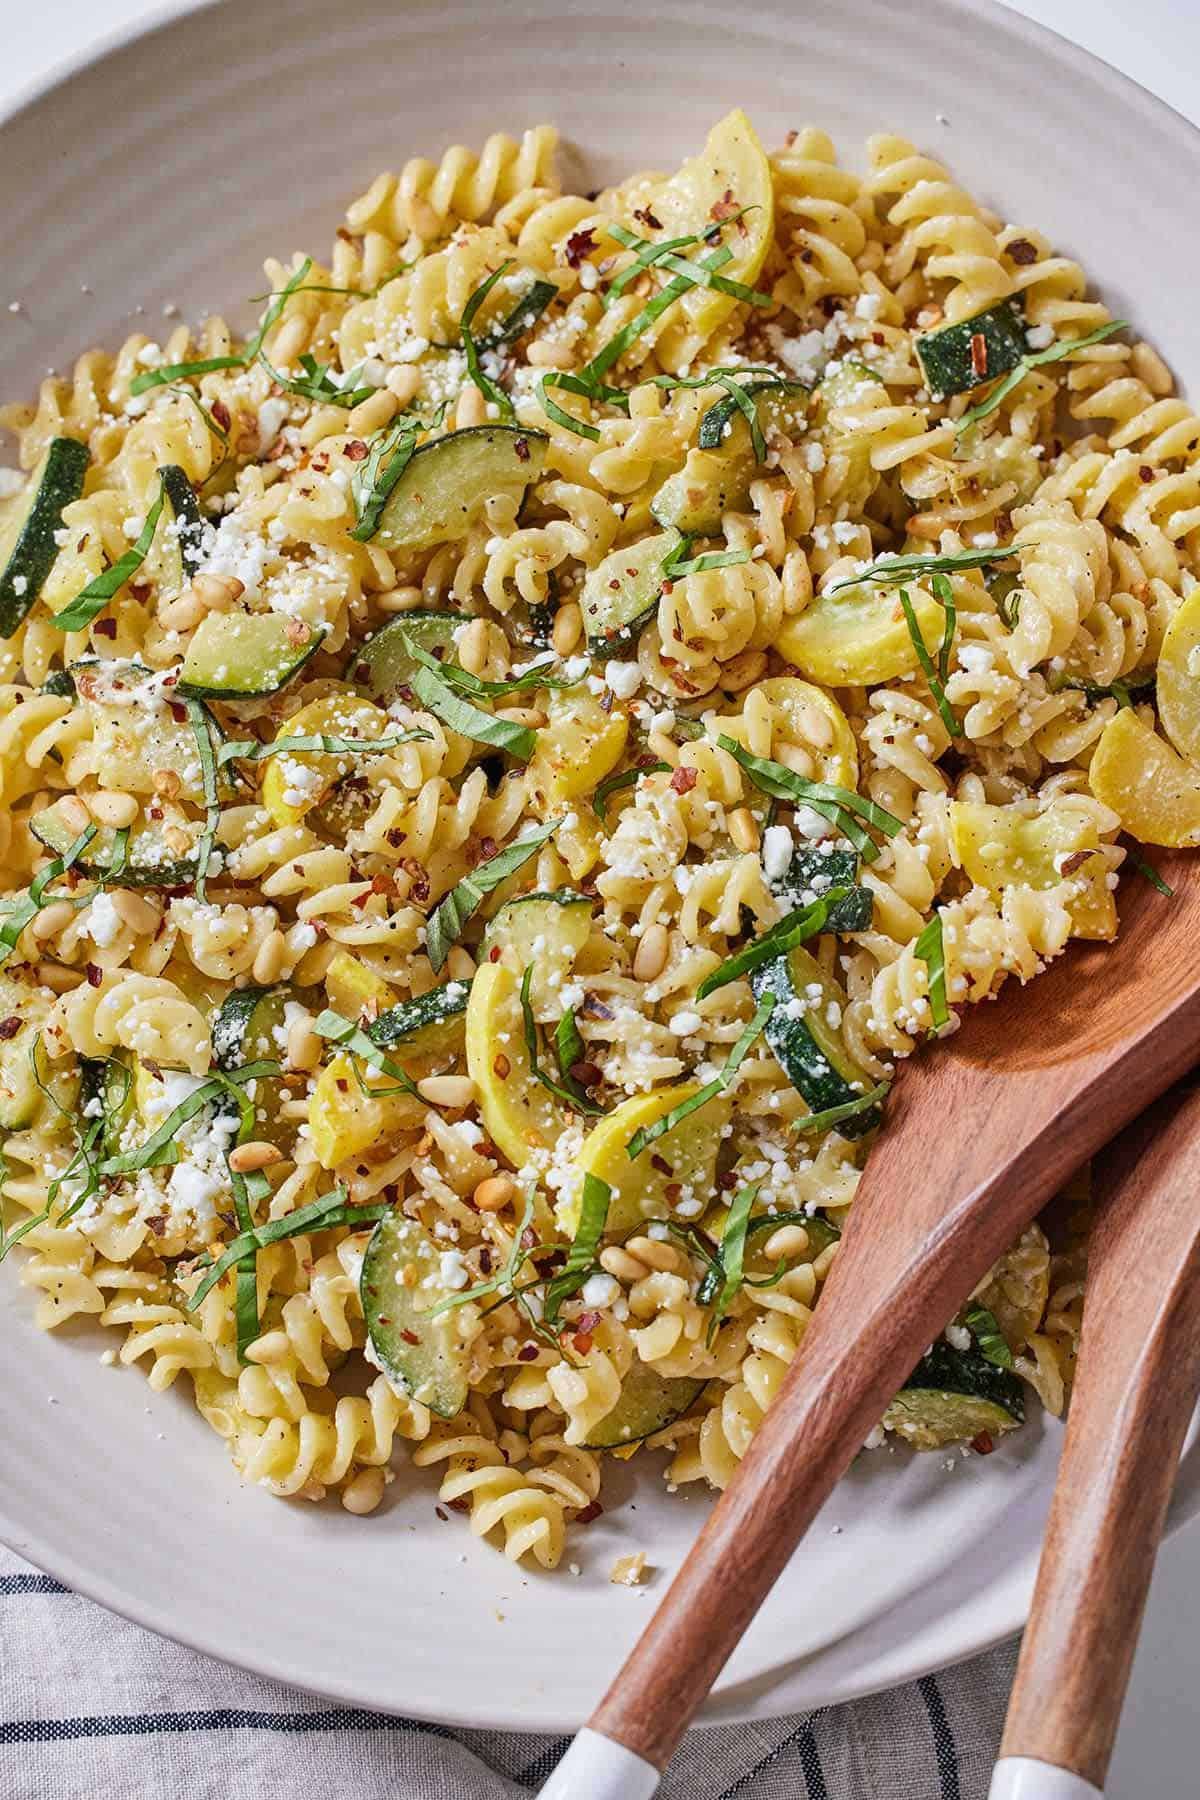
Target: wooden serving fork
(979,1134)
(1135,1389)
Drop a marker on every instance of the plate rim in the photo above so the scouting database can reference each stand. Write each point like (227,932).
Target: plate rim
(964,1642)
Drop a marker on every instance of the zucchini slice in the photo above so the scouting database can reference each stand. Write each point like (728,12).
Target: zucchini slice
(716,477)
(108,1086)
(402,1281)
(809,1048)
(27,531)
(813,871)
(430,1027)
(648,1402)
(251,1026)
(620,594)
(354,990)
(383,666)
(545,932)
(954,1395)
(244,656)
(443,490)
(178,548)
(149,859)
(136,734)
(956,358)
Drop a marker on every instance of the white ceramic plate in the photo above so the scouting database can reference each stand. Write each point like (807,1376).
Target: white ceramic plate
(163,172)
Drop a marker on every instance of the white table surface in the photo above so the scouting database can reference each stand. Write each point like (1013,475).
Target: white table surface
(1156,42)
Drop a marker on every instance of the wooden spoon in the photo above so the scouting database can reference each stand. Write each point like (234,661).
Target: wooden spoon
(980,1133)
(1135,1388)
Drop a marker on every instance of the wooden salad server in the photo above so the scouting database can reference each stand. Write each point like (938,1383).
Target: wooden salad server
(979,1134)
(1135,1389)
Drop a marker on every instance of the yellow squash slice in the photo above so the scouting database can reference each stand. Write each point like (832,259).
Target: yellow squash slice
(999,847)
(519,1114)
(808,717)
(1138,774)
(859,636)
(578,746)
(298,780)
(1179,679)
(680,1165)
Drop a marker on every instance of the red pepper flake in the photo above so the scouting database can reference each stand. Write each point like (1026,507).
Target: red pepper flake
(662,1165)
(727,1182)
(485,1260)
(297,632)
(684,780)
(94,975)
(220,413)
(521,449)
(501,1067)
(495,953)
(725,207)
(582,1341)
(342,1085)
(645,217)
(587,1321)
(1022,252)
(1145,473)
(586,1514)
(419,876)
(979,354)
(178,711)
(320,462)
(356,450)
(410,1337)
(158,1224)
(461,1505)
(528,1238)
(396,837)
(983,1445)
(9,1027)
(673,1191)
(105,628)
(579,245)
(527,1353)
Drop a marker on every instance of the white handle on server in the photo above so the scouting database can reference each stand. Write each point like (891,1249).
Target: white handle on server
(1026,1778)
(598,1768)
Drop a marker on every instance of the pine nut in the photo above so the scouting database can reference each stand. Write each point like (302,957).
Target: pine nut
(117,810)
(138,914)
(790,1241)
(74,814)
(817,726)
(304,1048)
(60,980)
(269,961)
(373,413)
(794,758)
(403,381)
(742,829)
(182,613)
(52,919)
(494,1194)
(567,629)
(217,593)
(472,646)
(471,409)
(460,964)
(618,1262)
(650,958)
(257,1155)
(650,1251)
(455,1091)
(363,1494)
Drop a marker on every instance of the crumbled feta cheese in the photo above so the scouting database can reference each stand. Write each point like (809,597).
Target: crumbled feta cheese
(624,678)
(1040,337)
(103,921)
(777,848)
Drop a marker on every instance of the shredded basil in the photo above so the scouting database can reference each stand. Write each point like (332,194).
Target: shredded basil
(162,1149)
(316,384)
(733,1251)
(184,371)
(935,675)
(446,922)
(993,1346)
(338,1030)
(319,1215)
(200,721)
(581,1257)
(90,603)
(613,784)
(567,1090)
(453,675)
(902,568)
(793,929)
(830,1116)
(491,390)
(502,1282)
(317,743)
(482,728)
(528,310)
(569,1047)
(372,483)
(1152,876)
(677,563)
(837,804)
(28,905)
(930,948)
(1035,359)
(647,1134)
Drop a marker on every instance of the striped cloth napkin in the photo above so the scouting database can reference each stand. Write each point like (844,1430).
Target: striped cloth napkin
(92,1706)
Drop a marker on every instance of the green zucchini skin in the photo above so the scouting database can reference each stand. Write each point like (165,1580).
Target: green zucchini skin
(109,1080)
(808,1049)
(954,1395)
(812,872)
(418,1351)
(718,418)
(648,1402)
(187,537)
(946,354)
(620,594)
(249,1027)
(149,862)
(28,546)
(448,481)
(243,656)
(383,666)
(424,1022)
